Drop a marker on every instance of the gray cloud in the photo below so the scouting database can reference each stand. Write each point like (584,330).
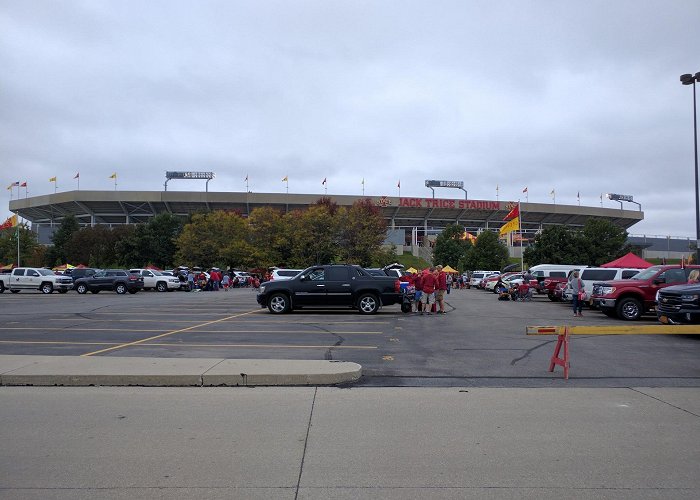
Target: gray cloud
(577,97)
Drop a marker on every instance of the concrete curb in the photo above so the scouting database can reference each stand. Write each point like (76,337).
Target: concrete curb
(172,372)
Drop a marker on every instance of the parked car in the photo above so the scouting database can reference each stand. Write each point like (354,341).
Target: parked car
(156,280)
(33,278)
(477,276)
(629,299)
(590,275)
(81,272)
(331,286)
(678,304)
(119,280)
(284,274)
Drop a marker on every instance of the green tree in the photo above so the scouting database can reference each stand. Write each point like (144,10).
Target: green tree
(161,233)
(314,239)
(603,241)
(362,230)
(450,248)
(487,253)
(99,246)
(269,237)
(598,242)
(27,245)
(556,245)
(56,255)
(206,239)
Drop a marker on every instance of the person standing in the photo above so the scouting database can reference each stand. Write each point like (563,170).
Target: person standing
(429,285)
(418,283)
(576,287)
(449,280)
(441,289)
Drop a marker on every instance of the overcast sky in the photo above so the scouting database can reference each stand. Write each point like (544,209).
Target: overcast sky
(576,97)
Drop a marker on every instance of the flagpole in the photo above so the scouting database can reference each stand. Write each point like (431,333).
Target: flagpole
(363,186)
(247,190)
(18,262)
(520,224)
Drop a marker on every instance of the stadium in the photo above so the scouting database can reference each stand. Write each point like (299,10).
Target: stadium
(412,223)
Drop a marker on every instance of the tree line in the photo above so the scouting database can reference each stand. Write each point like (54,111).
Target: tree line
(322,233)
(597,242)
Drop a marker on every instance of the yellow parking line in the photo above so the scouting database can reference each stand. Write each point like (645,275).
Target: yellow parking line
(167,333)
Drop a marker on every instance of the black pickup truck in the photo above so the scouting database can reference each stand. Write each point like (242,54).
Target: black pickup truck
(331,286)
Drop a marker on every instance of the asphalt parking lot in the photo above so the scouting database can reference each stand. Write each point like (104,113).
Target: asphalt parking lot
(480,342)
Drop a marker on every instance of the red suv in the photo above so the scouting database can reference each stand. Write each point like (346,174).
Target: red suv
(629,299)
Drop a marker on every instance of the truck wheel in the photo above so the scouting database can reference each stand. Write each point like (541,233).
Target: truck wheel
(2,287)
(368,303)
(278,303)
(46,288)
(81,288)
(629,309)
(162,286)
(120,288)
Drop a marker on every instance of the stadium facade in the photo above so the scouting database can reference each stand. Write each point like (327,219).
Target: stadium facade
(413,222)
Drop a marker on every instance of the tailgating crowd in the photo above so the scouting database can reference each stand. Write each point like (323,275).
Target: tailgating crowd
(215,280)
(430,287)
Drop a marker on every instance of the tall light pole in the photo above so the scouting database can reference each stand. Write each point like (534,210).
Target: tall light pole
(689,79)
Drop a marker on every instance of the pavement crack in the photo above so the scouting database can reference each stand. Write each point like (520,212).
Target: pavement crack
(306,443)
(662,401)
(530,351)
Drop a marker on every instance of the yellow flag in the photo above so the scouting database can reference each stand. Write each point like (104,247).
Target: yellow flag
(52,179)
(285,179)
(113,176)
(511,225)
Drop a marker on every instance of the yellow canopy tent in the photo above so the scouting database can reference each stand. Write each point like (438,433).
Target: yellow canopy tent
(448,269)
(411,270)
(63,267)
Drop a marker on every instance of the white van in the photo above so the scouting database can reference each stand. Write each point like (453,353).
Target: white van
(544,271)
(592,275)
(478,276)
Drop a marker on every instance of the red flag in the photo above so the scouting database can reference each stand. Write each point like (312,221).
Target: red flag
(23,185)
(512,214)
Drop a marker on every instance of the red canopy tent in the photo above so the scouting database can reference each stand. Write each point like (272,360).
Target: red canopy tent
(629,260)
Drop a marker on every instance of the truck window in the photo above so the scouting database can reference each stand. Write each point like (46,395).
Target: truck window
(317,275)
(18,272)
(32,272)
(598,274)
(674,276)
(556,274)
(337,274)
(629,274)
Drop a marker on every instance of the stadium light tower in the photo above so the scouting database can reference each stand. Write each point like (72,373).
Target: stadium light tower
(689,79)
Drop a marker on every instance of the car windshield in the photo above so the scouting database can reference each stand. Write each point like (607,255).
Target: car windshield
(46,272)
(648,273)
(156,273)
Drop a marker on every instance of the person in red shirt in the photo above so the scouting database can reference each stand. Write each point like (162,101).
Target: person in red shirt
(441,288)
(428,296)
(418,282)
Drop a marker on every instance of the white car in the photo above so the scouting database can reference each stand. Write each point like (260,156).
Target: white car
(284,274)
(590,275)
(156,280)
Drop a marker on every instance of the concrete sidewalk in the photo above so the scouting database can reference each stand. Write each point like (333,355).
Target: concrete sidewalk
(319,443)
(167,372)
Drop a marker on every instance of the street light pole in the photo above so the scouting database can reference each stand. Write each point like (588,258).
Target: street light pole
(689,79)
